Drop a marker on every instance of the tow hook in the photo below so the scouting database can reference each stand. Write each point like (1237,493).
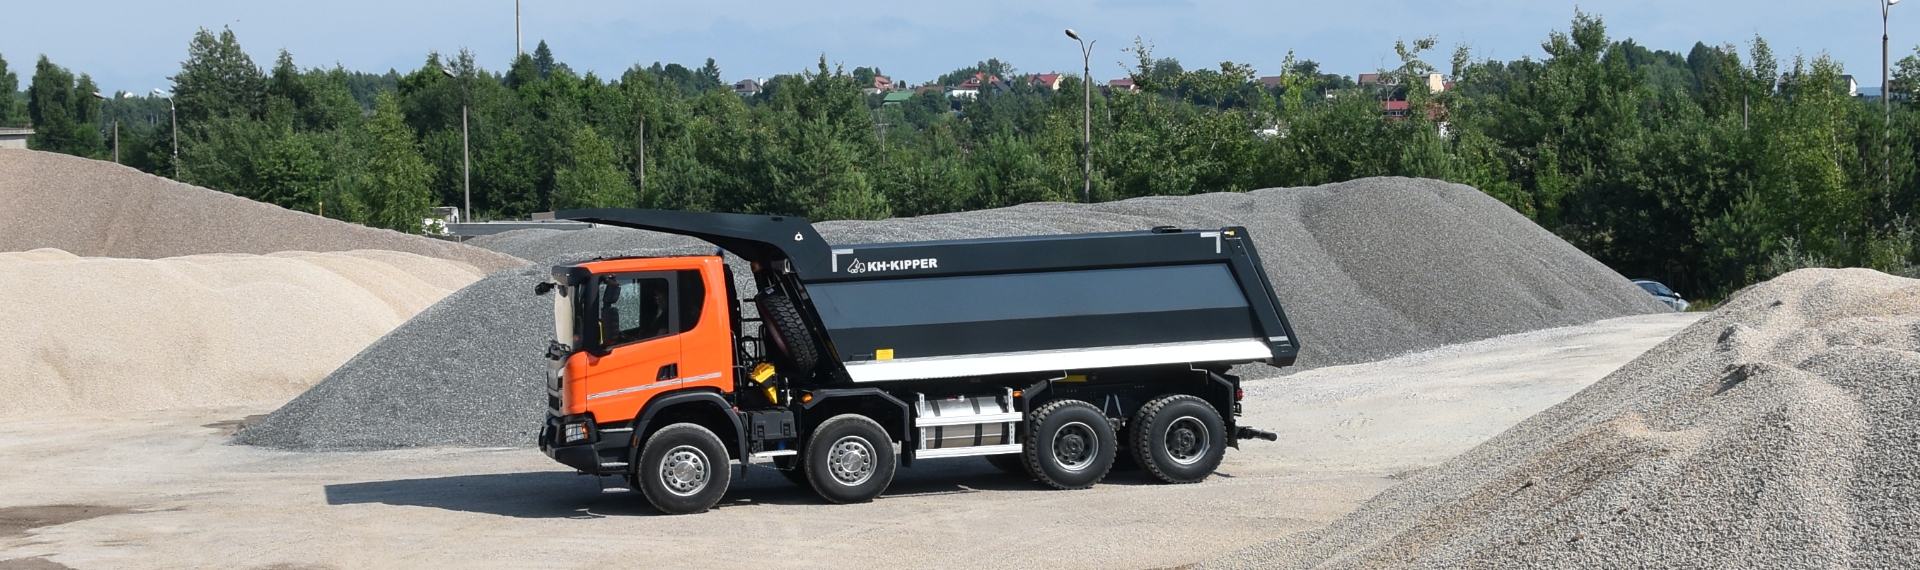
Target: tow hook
(1253,433)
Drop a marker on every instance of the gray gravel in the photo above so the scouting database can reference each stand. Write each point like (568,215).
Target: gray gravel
(1779,432)
(93,208)
(1365,269)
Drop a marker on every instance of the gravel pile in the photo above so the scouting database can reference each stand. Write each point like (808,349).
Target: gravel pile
(1782,431)
(100,209)
(114,335)
(1365,269)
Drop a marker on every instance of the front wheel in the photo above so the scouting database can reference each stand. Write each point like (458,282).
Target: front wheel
(684,469)
(849,459)
(1179,439)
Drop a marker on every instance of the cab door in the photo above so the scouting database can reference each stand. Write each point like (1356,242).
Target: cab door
(638,333)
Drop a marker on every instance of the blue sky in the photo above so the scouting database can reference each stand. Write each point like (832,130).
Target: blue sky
(134,46)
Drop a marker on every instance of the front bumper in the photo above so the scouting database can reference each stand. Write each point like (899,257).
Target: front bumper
(607,449)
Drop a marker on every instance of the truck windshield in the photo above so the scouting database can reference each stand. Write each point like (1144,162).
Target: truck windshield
(563,302)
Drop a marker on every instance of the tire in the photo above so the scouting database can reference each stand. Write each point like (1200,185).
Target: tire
(1178,439)
(789,332)
(1071,445)
(683,469)
(849,459)
(1012,463)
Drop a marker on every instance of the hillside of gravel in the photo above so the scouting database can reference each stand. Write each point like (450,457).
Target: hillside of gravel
(114,335)
(1365,270)
(1782,431)
(100,209)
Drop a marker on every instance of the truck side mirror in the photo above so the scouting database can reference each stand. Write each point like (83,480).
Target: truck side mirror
(542,288)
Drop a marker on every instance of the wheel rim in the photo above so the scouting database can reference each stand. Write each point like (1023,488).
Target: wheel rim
(1075,446)
(850,460)
(685,470)
(1187,440)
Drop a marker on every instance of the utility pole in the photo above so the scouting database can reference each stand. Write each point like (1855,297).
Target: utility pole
(466,152)
(1886,101)
(516,29)
(1086,118)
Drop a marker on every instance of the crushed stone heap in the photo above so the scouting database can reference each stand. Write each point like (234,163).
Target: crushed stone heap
(94,208)
(1782,431)
(87,335)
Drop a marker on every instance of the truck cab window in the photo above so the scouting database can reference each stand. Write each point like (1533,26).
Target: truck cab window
(633,309)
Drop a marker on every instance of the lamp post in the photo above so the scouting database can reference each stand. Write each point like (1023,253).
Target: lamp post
(116,125)
(173,120)
(466,154)
(1086,118)
(1886,100)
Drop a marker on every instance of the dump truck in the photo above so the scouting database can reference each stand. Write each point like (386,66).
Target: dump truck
(1052,356)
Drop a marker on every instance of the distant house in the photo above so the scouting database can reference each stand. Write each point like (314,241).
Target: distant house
(1397,109)
(747,88)
(1050,80)
(1272,81)
(1123,84)
(1853,86)
(14,138)
(971,87)
(929,89)
(1369,79)
(896,97)
(882,83)
(1436,83)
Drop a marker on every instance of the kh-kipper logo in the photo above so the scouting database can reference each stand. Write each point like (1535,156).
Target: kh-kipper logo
(858,266)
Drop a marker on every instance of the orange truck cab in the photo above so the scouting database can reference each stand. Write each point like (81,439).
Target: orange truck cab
(1049,356)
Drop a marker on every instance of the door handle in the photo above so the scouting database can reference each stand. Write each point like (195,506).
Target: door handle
(668,372)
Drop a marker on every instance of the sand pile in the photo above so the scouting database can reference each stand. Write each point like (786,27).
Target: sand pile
(1782,431)
(1365,269)
(101,334)
(100,209)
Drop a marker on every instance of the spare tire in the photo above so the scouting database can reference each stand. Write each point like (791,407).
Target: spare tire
(782,323)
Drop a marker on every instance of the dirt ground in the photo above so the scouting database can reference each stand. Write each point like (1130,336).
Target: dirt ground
(166,490)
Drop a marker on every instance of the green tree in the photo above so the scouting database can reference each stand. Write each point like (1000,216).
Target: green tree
(11,114)
(64,112)
(396,194)
(218,79)
(589,175)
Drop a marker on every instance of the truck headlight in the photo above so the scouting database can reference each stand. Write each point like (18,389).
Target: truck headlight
(576,432)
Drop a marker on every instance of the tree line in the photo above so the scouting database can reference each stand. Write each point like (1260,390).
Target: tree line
(1709,170)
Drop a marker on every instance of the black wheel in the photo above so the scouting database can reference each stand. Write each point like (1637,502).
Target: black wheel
(1179,439)
(1071,445)
(1012,463)
(849,459)
(789,332)
(683,469)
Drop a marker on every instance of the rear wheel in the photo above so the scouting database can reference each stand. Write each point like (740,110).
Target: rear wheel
(1179,439)
(683,469)
(1071,445)
(849,459)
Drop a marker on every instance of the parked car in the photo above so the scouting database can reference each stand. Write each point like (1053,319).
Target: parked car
(1662,293)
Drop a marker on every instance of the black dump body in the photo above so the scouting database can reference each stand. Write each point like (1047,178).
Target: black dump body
(981,307)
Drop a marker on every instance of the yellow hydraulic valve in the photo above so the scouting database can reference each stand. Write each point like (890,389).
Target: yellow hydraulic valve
(760,375)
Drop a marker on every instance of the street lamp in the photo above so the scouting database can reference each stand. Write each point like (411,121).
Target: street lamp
(466,155)
(1886,100)
(1086,118)
(174,121)
(116,125)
